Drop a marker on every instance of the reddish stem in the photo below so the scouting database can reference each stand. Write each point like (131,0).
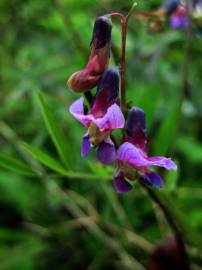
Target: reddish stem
(122,67)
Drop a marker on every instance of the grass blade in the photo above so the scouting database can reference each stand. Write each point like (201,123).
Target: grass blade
(54,131)
(45,159)
(16,165)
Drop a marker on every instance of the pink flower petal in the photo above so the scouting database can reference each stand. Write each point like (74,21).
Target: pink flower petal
(134,156)
(77,110)
(164,162)
(113,119)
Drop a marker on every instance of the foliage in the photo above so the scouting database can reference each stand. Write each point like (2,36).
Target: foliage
(59,211)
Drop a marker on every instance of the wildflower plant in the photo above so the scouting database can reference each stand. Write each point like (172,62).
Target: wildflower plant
(106,113)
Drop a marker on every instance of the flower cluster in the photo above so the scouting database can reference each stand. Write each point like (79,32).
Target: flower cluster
(185,15)
(105,115)
(179,14)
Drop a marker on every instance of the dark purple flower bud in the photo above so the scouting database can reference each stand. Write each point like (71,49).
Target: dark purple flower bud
(135,130)
(107,92)
(101,32)
(170,6)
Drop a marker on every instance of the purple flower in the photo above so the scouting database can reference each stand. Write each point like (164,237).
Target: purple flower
(89,77)
(179,18)
(103,117)
(132,158)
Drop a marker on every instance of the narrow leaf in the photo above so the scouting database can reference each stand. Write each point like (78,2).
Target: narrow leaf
(190,148)
(15,165)
(45,159)
(166,132)
(54,130)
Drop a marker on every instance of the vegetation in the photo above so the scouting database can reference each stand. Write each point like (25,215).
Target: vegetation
(59,211)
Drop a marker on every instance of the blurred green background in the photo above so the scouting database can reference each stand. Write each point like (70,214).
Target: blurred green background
(59,211)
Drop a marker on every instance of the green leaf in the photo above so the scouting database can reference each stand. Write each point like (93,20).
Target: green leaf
(45,159)
(15,165)
(143,100)
(54,165)
(190,148)
(166,132)
(100,171)
(20,256)
(54,131)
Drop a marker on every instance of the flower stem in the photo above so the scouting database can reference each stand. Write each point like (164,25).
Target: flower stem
(122,68)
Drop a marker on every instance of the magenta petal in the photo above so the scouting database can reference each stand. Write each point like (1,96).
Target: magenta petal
(164,162)
(134,156)
(121,185)
(106,152)
(152,178)
(77,110)
(85,148)
(113,119)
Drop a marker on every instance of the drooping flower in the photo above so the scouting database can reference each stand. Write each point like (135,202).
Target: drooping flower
(89,77)
(132,158)
(103,117)
(179,19)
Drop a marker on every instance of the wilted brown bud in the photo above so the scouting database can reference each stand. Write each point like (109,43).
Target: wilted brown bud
(81,81)
(89,77)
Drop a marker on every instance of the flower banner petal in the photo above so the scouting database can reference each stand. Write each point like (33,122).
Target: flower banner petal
(113,119)
(77,110)
(134,156)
